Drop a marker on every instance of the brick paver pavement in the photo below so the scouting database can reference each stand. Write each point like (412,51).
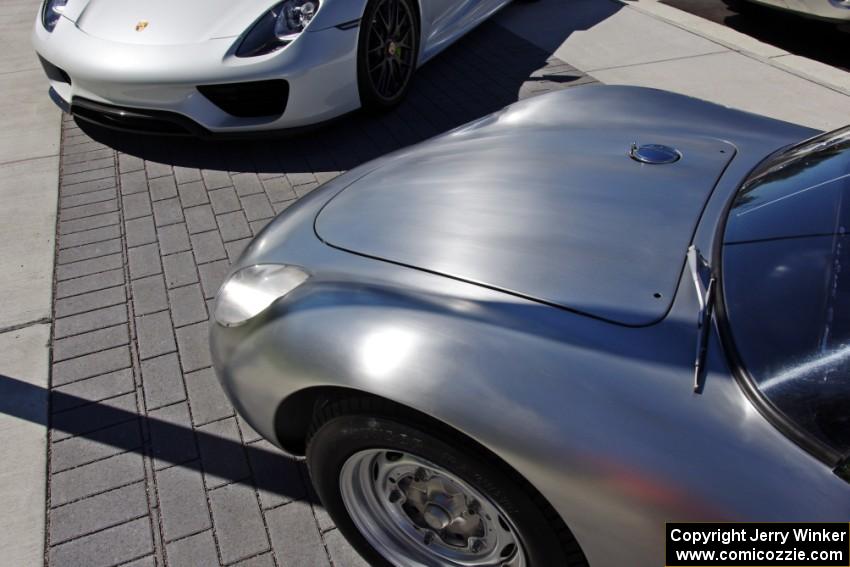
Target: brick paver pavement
(148,463)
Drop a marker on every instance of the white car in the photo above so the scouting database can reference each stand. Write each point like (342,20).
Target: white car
(230,66)
(831,10)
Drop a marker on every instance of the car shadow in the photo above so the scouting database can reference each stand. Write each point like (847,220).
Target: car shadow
(483,72)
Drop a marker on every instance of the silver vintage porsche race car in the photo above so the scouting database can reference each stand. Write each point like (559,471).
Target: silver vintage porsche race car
(222,66)
(537,338)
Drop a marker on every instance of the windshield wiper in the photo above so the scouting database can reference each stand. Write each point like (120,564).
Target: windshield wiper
(705,295)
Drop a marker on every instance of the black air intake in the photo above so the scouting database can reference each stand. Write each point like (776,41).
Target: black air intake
(249,100)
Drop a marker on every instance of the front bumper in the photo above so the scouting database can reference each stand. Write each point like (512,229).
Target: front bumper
(319,69)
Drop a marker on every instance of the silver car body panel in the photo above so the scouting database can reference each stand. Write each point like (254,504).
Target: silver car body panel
(510,227)
(192,42)
(599,417)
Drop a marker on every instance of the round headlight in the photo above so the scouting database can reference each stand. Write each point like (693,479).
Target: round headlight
(278,27)
(51,12)
(250,291)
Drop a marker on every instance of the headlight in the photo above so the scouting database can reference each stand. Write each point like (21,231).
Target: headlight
(51,12)
(250,291)
(278,27)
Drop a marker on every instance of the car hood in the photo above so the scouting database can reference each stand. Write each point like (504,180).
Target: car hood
(543,201)
(169,22)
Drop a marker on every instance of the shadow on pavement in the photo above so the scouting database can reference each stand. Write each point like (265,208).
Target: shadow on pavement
(170,443)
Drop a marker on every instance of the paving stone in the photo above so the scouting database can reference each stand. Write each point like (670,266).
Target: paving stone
(140,231)
(96,477)
(236,248)
(277,476)
(91,175)
(156,169)
(87,251)
(193,194)
(212,276)
(247,184)
(306,189)
(187,305)
(89,210)
(88,156)
(279,189)
(280,207)
(249,434)
(295,537)
(208,247)
(256,207)
(88,198)
(90,342)
(167,212)
(200,219)
(136,205)
(90,390)
(193,343)
(88,187)
(174,238)
(128,163)
(106,548)
(148,561)
(94,446)
(208,401)
(135,182)
(222,454)
(162,188)
(88,223)
(98,512)
(89,267)
(233,226)
(180,269)
(187,174)
(144,261)
(341,551)
(265,560)
(257,226)
(224,200)
(183,501)
(89,236)
(84,322)
(172,439)
(149,295)
(93,417)
(155,335)
(163,382)
(238,523)
(89,301)
(192,551)
(216,179)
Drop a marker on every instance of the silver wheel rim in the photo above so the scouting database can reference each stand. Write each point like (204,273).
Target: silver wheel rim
(416,513)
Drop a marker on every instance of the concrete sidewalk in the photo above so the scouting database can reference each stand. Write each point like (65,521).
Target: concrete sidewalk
(29,170)
(646,43)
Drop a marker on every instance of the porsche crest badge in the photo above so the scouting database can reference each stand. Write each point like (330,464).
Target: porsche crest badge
(141,26)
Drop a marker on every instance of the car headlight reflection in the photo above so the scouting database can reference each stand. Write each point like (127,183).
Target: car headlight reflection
(278,27)
(51,12)
(250,291)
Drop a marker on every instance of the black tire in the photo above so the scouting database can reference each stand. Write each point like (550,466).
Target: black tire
(397,49)
(345,427)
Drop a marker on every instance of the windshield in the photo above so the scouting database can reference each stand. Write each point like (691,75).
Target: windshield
(786,284)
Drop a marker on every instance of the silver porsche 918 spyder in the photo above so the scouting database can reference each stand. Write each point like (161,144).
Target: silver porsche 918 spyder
(537,338)
(225,66)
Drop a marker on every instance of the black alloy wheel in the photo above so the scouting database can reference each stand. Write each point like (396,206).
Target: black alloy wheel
(387,52)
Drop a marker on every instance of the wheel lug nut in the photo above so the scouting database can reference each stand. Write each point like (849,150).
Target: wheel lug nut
(421,475)
(395,496)
(476,546)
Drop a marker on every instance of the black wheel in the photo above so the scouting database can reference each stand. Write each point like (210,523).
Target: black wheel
(402,496)
(387,52)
